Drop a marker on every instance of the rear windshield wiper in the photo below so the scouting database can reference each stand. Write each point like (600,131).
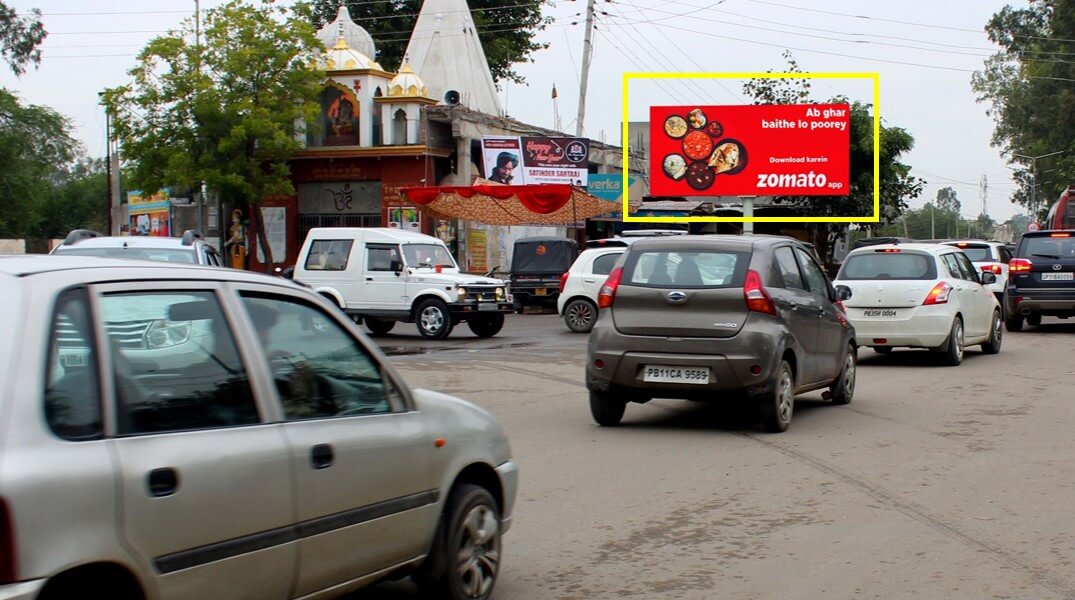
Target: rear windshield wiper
(1052,256)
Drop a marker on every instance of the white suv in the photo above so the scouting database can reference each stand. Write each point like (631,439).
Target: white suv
(580,285)
(991,257)
(919,296)
(287,461)
(381,276)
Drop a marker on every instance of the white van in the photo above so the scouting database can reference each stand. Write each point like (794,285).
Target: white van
(381,276)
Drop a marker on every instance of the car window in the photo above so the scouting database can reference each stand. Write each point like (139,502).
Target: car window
(380,257)
(952,266)
(1005,255)
(328,255)
(602,265)
(815,277)
(176,363)
(789,269)
(72,390)
(977,253)
(873,264)
(700,269)
(155,254)
(1048,247)
(319,369)
(965,267)
(427,256)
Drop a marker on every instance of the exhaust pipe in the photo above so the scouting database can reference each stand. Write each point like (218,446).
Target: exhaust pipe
(1024,312)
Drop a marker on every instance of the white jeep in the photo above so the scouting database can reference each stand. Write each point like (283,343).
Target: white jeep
(380,276)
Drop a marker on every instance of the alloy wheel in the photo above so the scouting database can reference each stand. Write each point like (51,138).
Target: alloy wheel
(580,315)
(478,555)
(432,319)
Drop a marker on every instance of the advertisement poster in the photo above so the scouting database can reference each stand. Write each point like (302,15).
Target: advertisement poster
(149,214)
(275,219)
(530,160)
(404,218)
(756,150)
(477,251)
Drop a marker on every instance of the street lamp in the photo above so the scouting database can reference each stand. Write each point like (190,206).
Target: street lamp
(1033,175)
(108,162)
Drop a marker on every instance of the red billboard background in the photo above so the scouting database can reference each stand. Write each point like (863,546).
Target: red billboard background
(755,150)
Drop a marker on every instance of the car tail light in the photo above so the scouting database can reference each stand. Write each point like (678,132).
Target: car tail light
(1059,235)
(994,269)
(608,291)
(7,544)
(889,250)
(758,300)
(1019,265)
(563,282)
(939,294)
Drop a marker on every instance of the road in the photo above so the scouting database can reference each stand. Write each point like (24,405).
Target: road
(934,482)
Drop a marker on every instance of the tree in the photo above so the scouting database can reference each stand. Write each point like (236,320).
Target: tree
(1028,85)
(897,185)
(223,112)
(77,200)
(948,199)
(506,29)
(34,143)
(20,38)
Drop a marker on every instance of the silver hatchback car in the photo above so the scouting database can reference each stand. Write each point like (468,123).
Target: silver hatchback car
(174,431)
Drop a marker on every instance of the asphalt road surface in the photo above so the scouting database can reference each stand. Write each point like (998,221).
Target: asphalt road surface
(935,482)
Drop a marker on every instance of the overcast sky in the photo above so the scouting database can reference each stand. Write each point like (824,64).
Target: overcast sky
(924,51)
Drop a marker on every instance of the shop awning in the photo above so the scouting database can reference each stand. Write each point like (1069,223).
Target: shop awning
(498,204)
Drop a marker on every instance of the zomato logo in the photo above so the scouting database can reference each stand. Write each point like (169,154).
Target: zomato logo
(795,180)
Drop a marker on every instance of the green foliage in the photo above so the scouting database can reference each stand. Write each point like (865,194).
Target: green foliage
(20,38)
(506,29)
(934,221)
(77,200)
(34,149)
(1028,86)
(897,186)
(948,199)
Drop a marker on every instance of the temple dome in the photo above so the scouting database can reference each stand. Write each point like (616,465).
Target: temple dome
(407,84)
(343,27)
(342,57)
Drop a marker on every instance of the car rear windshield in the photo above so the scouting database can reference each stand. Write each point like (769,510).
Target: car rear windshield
(889,265)
(976,253)
(683,269)
(157,254)
(1048,247)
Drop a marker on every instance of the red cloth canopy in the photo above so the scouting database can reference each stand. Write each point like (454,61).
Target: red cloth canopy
(499,204)
(540,199)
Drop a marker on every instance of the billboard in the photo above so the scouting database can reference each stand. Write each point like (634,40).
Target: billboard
(149,214)
(536,160)
(755,150)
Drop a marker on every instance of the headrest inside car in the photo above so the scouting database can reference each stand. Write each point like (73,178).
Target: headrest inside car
(198,310)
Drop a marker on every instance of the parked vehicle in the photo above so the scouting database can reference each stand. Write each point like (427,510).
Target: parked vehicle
(920,296)
(536,266)
(1061,214)
(1041,278)
(718,317)
(874,241)
(382,276)
(992,257)
(191,248)
(580,285)
(284,463)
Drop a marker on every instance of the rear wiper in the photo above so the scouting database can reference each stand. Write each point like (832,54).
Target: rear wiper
(1052,256)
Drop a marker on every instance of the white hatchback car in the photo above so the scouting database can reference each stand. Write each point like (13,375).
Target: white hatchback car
(991,257)
(289,460)
(919,296)
(581,283)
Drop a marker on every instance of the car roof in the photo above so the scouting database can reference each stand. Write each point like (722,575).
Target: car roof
(722,239)
(545,239)
(930,248)
(133,241)
(28,265)
(986,242)
(388,233)
(1049,233)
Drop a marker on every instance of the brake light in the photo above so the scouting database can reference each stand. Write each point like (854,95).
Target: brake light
(1019,265)
(7,544)
(939,294)
(758,300)
(608,291)
(563,281)
(994,269)
(889,250)
(1059,235)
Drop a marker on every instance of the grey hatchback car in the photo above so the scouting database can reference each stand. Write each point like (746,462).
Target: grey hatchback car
(171,431)
(717,316)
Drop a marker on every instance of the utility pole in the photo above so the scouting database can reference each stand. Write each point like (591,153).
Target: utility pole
(905,233)
(108,164)
(587,54)
(199,195)
(932,224)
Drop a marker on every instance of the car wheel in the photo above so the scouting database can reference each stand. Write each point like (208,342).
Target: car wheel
(606,410)
(433,319)
(882,349)
(465,559)
(779,401)
(996,335)
(1014,323)
(486,326)
(580,315)
(379,326)
(953,350)
(843,388)
(1034,320)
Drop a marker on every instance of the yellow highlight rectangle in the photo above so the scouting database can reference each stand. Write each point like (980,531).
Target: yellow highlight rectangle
(627,77)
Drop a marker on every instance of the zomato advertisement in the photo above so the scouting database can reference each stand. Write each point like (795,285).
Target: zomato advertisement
(755,150)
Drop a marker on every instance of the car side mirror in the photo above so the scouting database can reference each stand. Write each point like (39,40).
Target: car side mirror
(396,267)
(988,278)
(843,293)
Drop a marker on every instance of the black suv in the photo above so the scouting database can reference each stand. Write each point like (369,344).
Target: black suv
(1041,278)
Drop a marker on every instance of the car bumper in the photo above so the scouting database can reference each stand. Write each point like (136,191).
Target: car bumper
(922,327)
(466,309)
(509,482)
(24,590)
(1038,301)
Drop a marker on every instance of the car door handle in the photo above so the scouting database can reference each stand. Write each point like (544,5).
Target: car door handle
(589,280)
(162,482)
(321,456)
(369,279)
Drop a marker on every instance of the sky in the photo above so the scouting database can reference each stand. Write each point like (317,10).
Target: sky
(924,51)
